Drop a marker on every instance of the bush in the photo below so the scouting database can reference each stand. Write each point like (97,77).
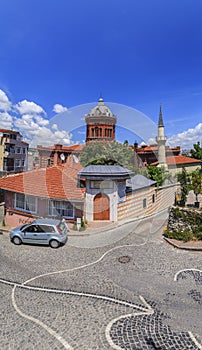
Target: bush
(82,228)
(184,236)
(177,212)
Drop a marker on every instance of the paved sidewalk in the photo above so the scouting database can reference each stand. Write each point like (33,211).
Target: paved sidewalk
(191,245)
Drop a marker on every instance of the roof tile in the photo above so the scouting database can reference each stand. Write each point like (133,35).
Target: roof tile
(53,182)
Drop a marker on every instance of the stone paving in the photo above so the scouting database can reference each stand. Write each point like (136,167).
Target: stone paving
(131,291)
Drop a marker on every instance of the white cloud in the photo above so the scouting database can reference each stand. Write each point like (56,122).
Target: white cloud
(187,138)
(35,131)
(28,119)
(54,127)
(57,108)
(5,104)
(41,121)
(46,137)
(151,141)
(6,121)
(29,107)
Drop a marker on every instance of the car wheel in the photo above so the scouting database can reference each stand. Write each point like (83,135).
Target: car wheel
(16,240)
(54,244)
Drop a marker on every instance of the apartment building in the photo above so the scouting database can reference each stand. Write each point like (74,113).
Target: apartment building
(13,152)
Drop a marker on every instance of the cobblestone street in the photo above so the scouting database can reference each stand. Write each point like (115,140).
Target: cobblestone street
(121,289)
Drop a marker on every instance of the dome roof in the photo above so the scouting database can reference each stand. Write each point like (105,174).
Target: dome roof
(101,109)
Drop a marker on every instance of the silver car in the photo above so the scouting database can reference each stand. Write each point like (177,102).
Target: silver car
(52,232)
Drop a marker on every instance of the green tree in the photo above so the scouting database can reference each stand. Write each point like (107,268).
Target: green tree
(158,174)
(183,179)
(107,153)
(196,182)
(125,143)
(197,151)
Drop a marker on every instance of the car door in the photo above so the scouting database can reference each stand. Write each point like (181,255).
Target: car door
(45,233)
(30,234)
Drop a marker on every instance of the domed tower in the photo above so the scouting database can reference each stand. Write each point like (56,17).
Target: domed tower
(100,123)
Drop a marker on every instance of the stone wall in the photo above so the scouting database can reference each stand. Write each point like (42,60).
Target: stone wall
(147,201)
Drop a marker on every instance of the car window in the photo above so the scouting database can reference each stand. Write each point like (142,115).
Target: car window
(22,228)
(62,226)
(31,228)
(47,228)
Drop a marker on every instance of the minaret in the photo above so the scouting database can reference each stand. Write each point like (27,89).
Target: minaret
(161,141)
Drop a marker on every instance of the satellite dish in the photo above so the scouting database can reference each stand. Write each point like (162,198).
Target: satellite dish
(75,159)
(62,156)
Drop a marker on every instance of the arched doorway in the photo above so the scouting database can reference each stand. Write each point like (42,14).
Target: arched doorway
(101,207)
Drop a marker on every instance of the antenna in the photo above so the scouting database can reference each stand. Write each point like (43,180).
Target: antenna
(76,160)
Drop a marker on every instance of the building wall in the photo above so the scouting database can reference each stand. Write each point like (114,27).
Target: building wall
(133,206)
(15,217)
(1,212)
(90,195)
(178,168)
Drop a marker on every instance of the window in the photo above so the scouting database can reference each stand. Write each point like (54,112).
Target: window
(46,228)
(12,149)
(153,198)
(24,150)
(25,202)
(18,150)
(32,228)
(101,184)
(144,203)
(61,208)
(17,163)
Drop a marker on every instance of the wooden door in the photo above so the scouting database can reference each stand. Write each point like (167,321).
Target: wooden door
(101,207)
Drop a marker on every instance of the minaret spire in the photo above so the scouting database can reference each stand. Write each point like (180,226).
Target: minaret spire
(161,141)
(160,123)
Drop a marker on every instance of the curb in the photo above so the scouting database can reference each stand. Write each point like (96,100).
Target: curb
(2,230)
(182,247)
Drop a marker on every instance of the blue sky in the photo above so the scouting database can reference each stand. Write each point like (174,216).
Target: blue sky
(136,53)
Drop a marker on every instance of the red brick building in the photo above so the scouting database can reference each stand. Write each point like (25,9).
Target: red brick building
(100,123)
(58,154)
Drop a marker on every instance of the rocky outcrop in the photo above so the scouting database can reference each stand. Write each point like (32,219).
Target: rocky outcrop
(184,224)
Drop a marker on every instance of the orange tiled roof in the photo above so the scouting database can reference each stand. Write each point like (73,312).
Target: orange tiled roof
(153,148)
(53,182)
(180,160)
(9,131)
